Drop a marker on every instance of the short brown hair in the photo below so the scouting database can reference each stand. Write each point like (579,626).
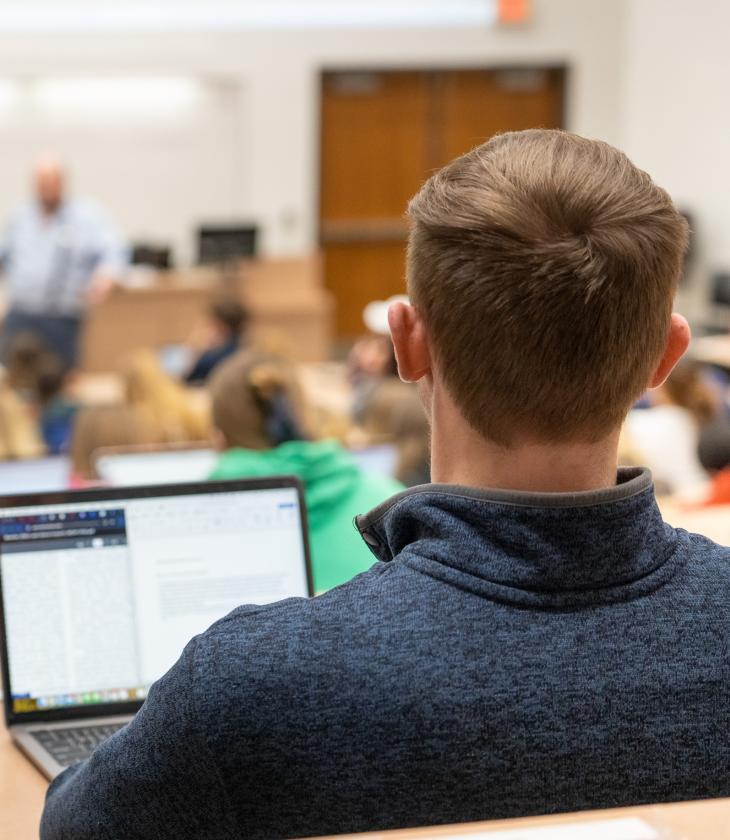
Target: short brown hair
(544,266)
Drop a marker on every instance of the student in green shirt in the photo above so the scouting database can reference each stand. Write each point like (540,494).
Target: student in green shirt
(260,426)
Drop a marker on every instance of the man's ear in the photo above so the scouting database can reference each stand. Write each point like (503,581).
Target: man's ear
(677,343)
(410,341)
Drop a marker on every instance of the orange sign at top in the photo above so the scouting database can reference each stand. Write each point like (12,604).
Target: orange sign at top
(514,11)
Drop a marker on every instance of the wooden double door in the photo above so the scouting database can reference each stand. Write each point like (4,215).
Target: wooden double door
(382,135)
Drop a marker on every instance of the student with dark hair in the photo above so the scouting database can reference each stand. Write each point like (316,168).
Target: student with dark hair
(224,330)
(534,638)
(57,409)
(714,454)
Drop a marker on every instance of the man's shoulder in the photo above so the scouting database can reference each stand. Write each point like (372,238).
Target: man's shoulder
(344,605)
(706,551)
(246,665)
(703,572)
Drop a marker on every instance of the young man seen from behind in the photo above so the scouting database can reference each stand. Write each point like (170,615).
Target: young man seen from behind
(535,639)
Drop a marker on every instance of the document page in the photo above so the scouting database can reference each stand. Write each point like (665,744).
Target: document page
(99,603)
(196,558)
(68,605)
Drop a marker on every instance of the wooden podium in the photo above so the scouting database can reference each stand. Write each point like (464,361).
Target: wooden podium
(290,311)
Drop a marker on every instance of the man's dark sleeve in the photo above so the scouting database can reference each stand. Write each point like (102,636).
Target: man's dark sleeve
(153,779)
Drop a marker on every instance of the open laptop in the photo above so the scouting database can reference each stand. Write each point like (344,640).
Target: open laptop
(377,459)
(100,591)
(130,466)
(34,475)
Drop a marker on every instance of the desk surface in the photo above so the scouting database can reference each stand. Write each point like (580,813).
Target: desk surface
(22,789)
(708,820)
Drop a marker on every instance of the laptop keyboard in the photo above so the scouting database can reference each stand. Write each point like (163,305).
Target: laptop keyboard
(69,746)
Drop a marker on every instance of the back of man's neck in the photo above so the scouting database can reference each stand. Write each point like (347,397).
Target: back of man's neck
(464,457)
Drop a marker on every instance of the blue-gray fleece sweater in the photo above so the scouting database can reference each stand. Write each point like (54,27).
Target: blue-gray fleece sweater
(512,654)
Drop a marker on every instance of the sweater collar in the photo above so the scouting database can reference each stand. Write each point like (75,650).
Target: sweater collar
(558,549)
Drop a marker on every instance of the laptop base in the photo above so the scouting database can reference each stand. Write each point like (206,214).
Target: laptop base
(25,739)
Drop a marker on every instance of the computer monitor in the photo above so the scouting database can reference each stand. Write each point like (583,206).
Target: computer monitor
(153,256)
(137,466)
(35,475)
(221,244)
(101,590)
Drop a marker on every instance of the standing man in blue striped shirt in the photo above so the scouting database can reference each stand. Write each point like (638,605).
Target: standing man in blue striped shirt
(59,255)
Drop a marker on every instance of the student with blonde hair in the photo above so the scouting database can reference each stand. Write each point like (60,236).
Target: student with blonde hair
(178,413)
(261,424)
(20,435)
(534,639)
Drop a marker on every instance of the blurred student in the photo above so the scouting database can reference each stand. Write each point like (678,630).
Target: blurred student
(19,433)
(714,444)
(535,638)
(41,378)
(100,427)
(714,455)
(57,408)
(394,413)
(261,424)
(60,255)
(372,359)
(667,434)
(221,335)
(177,412)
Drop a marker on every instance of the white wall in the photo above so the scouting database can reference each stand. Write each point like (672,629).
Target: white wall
(158,162)
(274,130)
(676,117)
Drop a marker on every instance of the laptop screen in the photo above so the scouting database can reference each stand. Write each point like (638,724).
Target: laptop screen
(132,469)
(100,597)
(35,476)
(381,459)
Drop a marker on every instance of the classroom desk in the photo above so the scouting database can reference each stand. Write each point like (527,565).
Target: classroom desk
(22,790)
(707,820)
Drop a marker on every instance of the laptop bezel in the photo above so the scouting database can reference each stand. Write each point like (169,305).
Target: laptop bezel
(111,494)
